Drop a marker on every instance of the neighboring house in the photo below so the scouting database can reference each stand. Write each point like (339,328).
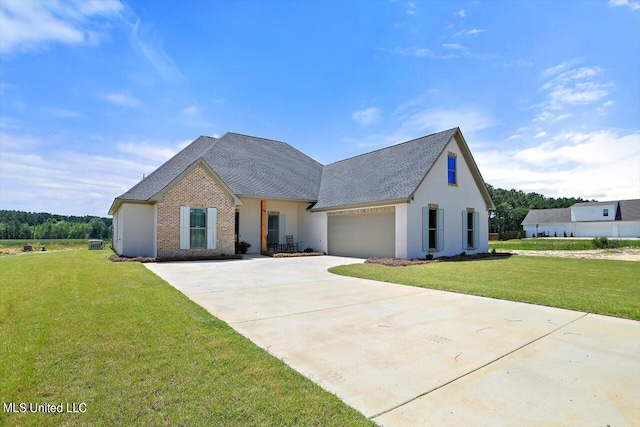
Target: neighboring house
(590,219)
(418,197)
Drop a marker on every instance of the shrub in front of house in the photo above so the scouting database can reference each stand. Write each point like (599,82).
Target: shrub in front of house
(308,250)
(600,242)
(243,247)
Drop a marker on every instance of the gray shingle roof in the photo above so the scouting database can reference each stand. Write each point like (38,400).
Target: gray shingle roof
(541,216)
(260,167)
(629,210)
(390,173)
(249,166)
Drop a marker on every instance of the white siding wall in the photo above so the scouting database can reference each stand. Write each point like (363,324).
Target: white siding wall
(593,213)
(250,224)
(117,231)
(313,229)
(402,230)
(550,229)
(136,230)
(453,199)
(588,229)
(629,229)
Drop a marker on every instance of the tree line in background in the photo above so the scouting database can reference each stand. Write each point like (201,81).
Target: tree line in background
(31,225)
(511,208)
(513,205)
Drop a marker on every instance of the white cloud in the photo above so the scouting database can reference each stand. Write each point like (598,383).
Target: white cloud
(557,69)
(413,121)
(466,32)
(148,150)
(569,164)
(154,52)
(469,120)
(475,32)
(63,113)
(461,13)
(73,182)
(31,25)
(191,110)
(368,116)
(541,134)
(518,63)
(633,5)
(121,98)
(419,52)
(568,87)
(456,46)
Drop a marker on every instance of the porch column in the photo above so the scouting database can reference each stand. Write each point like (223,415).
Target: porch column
(263,225)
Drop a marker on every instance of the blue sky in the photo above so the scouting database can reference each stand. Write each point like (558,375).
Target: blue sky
(94,94)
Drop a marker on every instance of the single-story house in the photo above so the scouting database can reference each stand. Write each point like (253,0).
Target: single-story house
(418,197)
(619,218)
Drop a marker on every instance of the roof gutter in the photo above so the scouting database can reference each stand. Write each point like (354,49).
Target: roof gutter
(361,205)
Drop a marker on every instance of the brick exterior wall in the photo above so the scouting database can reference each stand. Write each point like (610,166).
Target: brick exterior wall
(198,189)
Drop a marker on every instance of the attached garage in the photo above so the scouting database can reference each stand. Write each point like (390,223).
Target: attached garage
(362,235)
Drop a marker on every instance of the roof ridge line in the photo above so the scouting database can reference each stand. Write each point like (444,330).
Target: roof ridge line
(257,137)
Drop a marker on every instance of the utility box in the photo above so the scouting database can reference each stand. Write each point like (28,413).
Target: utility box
(95,244)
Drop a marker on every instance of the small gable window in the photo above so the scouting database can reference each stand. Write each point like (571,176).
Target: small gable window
(605,212)
(452,177)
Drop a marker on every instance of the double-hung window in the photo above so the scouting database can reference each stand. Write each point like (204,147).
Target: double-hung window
(198,228)
(605,212)
(470,229)
(432,229)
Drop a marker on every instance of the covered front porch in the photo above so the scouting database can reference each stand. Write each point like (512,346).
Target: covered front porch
(273,226)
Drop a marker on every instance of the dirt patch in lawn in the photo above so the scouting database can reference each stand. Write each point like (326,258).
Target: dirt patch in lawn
(621,254)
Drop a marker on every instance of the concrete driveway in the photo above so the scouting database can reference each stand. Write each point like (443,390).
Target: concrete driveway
(410,356)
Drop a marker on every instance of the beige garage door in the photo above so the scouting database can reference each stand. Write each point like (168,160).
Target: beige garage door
(364,236)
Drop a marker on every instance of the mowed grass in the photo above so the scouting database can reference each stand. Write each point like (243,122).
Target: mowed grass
(589,285)
(49,244)
(76,328)
(548,244)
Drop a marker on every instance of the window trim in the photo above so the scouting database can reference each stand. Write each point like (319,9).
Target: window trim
(210,228)
(427,230)
(473,229)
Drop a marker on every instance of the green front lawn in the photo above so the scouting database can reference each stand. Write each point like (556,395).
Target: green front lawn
(76,328)
(590,285)
(48,244)
(545,244)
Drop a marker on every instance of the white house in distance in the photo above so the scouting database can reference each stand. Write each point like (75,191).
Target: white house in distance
(405,201)
(620,218)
